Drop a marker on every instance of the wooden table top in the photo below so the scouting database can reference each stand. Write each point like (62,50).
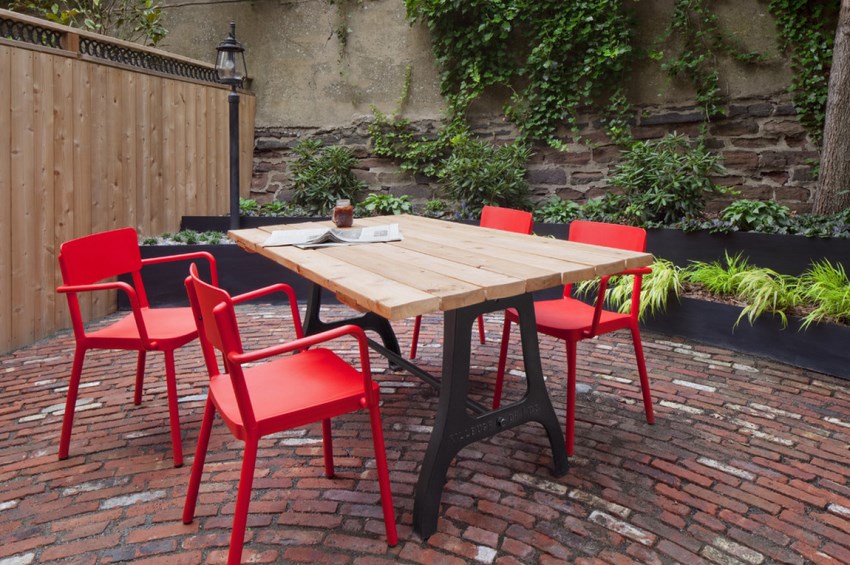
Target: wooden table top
(439,265)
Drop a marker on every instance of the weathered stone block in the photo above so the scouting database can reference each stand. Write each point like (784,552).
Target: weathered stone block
(585,177)
(740,159)
(782,127)
(546,175)
(606,154)
(671,118)
(734,128)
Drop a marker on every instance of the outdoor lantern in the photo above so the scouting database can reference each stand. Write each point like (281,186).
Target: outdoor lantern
(230,55)
(227,66)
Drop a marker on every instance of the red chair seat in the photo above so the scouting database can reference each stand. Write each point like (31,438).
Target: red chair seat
(561,317)
(172,328)
(285,392)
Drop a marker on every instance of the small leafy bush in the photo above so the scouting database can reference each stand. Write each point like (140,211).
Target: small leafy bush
(756,215)
(323,175)
(479,174)
(384,204)
(557,211)
(188,237)
(666,180)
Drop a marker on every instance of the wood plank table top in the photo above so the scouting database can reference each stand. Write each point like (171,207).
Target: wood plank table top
(439,265)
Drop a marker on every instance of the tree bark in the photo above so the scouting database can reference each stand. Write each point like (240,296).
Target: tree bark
(833,190)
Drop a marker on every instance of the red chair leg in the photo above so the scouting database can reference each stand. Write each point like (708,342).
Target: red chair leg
(198,463)
(71,402)
(571,396)
(383,473)
(481,330)
(173,413)
(243,497)
(415,341)
(327,444)
(644,378)
(503,357)
(140,377)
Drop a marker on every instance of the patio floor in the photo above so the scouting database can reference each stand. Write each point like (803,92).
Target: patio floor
(748,462)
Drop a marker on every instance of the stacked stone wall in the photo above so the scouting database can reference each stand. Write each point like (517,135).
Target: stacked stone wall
(765,150)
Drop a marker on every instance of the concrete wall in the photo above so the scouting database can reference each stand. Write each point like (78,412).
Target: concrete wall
(318,69)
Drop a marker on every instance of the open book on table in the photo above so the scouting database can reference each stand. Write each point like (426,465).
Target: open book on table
(323,237)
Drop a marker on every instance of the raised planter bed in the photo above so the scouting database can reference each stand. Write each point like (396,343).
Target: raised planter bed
(820,347)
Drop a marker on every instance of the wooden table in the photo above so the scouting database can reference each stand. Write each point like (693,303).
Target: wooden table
(463,271)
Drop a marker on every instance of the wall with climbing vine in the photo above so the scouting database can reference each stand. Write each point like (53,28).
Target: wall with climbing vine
(575,80)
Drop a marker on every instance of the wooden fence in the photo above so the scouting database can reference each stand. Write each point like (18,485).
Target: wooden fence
(97,134)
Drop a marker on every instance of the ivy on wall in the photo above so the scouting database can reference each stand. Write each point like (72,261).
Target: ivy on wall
(806,29)
(554,57)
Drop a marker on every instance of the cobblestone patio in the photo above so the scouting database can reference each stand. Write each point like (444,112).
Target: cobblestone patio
(748,462)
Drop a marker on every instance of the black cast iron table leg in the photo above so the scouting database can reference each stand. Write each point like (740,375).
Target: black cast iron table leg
(368,321)
(455,427)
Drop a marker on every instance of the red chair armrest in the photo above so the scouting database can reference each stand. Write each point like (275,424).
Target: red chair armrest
(131,295)
(271,289)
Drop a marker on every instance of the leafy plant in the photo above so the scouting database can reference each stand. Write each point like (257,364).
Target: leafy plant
(666,180)
(756,215)
(377,204)
(807,30)
(715,277)
(827,286)
(557,211)
(131,20)
(477,174)
(323,175)
(557,57)
(188,237)
(249,207)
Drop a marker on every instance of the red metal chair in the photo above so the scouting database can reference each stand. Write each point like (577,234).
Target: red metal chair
(506,219)
(287,392)
(572,320)
(85,262)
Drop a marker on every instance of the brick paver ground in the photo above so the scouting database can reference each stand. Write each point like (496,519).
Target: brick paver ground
(747,463)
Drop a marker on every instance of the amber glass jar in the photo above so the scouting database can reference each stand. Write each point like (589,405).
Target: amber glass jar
(343,214)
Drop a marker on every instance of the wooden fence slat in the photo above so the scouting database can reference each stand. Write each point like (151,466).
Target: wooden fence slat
(44,195)
(127,185)
(64,171)
(6,240)
(22,168)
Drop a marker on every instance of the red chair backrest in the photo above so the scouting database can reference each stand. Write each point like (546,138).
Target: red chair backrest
(619,236)
(218,329)
(99,256)
(506,219)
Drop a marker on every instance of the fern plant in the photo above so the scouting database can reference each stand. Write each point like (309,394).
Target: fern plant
(323,175)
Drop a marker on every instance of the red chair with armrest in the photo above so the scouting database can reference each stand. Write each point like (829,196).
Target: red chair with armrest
(497,218)
(572,320)
(290,391)
(88,260)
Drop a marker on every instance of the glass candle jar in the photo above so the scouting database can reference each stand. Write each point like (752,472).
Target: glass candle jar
(343,214)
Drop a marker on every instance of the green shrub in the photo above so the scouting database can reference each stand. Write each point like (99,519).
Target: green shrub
(557,211)
(384,204)
(323,175)
(478,174)
(755,215)
(666,180)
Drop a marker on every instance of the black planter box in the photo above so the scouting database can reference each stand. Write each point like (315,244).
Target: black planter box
(238,272)
(820,347)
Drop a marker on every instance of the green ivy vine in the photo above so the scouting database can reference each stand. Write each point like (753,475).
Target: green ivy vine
(555,57)
(806,29)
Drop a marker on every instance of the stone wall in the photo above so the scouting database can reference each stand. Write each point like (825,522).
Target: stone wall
(765,150)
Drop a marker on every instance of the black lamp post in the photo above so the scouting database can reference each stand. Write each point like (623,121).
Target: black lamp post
(229,72)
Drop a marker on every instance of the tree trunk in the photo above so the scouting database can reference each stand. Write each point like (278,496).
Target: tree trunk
(833,191)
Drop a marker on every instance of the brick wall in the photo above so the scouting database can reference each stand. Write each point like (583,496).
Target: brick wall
(765,150)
